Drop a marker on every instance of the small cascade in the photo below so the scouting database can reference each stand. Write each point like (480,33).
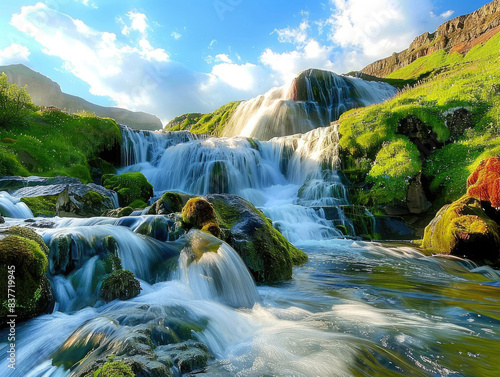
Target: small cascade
(214,271)
(147,146)
(11,206)
(313,99)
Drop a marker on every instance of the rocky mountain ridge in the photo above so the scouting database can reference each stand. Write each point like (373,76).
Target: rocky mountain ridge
(460,35)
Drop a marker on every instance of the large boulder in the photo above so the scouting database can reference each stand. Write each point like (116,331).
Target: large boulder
(23,265)
(133,188)
(120,284)
(463,229)
(89,205)
(199,214)
(266,253)
(170,202)
(63,196)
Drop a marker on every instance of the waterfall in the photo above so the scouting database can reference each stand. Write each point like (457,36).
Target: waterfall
(207,265)
(313,99)
(290,178)
(11,206)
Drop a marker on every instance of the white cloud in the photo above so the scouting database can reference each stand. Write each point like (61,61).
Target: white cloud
(295,36)
(287,64)
(87,3)
(224,58)
(176,35)
(15,53)
(139,23)
(377,28)
(133,73)
(446,15)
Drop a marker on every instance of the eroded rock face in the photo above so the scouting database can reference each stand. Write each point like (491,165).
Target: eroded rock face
(419,134)
(460,34)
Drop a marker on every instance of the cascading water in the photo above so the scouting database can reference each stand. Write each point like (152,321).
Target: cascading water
(11,206)
(313,99)
(290,177)
(355,309)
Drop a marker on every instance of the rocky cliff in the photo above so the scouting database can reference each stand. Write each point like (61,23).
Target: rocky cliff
(460,34)
(45,92)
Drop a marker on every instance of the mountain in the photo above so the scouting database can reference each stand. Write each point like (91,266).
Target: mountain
(460,35)
(46,92)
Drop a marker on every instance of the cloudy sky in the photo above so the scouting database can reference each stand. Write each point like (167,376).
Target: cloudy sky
(169,57)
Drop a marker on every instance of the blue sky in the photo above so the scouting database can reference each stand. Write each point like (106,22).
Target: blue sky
(169,57)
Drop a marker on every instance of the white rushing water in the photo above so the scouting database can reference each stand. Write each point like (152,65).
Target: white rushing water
(313,99)
(11,206)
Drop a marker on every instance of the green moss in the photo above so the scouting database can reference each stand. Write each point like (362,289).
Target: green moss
(197,212)
(343,229)
(395,164)
(114,369)
(129,186)
(470,82)
(29,234)
(172,202)
(93,198)
(32,286)
(463,229)
(120,284)
(138,204)
(126,211)
(227,215)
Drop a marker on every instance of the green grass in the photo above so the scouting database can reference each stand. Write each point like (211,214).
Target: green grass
(212,123)
(51,143)
(452,81)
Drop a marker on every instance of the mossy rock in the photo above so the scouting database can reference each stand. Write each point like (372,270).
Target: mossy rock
(267,254)
(170,202)
(464,230)
(30,234)
(33,293)
(41,205)
(114,369)
(121,284)
(129,186)
(199,213)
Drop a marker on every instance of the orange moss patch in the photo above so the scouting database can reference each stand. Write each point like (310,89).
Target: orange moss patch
(484,183)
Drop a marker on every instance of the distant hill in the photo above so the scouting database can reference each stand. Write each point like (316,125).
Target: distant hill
(460,35)
(197,123)
(46,92)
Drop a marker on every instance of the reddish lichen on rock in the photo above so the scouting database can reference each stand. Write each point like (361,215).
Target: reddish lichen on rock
(484,183)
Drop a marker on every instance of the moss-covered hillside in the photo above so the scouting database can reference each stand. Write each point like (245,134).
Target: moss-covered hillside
(51,143)
(212,123)
(442,127)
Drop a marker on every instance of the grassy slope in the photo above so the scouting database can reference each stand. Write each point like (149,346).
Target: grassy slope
(451,81)
(212,123)
(56,143)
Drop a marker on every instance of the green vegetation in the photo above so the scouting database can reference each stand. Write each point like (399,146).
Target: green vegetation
(114,369)
(33,293)
(371,135)
(129,186)
(41,205)
(120,284)
(50,142)
(212,123)
(15,103)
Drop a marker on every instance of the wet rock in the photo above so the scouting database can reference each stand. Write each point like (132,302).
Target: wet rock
(2,220)
(33,292)
(130,187)
(419,134)
(121,285)
(170,202)
(415,196)
(186,356)
(89,205)
(266,253)
(199,213)
(463,229)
